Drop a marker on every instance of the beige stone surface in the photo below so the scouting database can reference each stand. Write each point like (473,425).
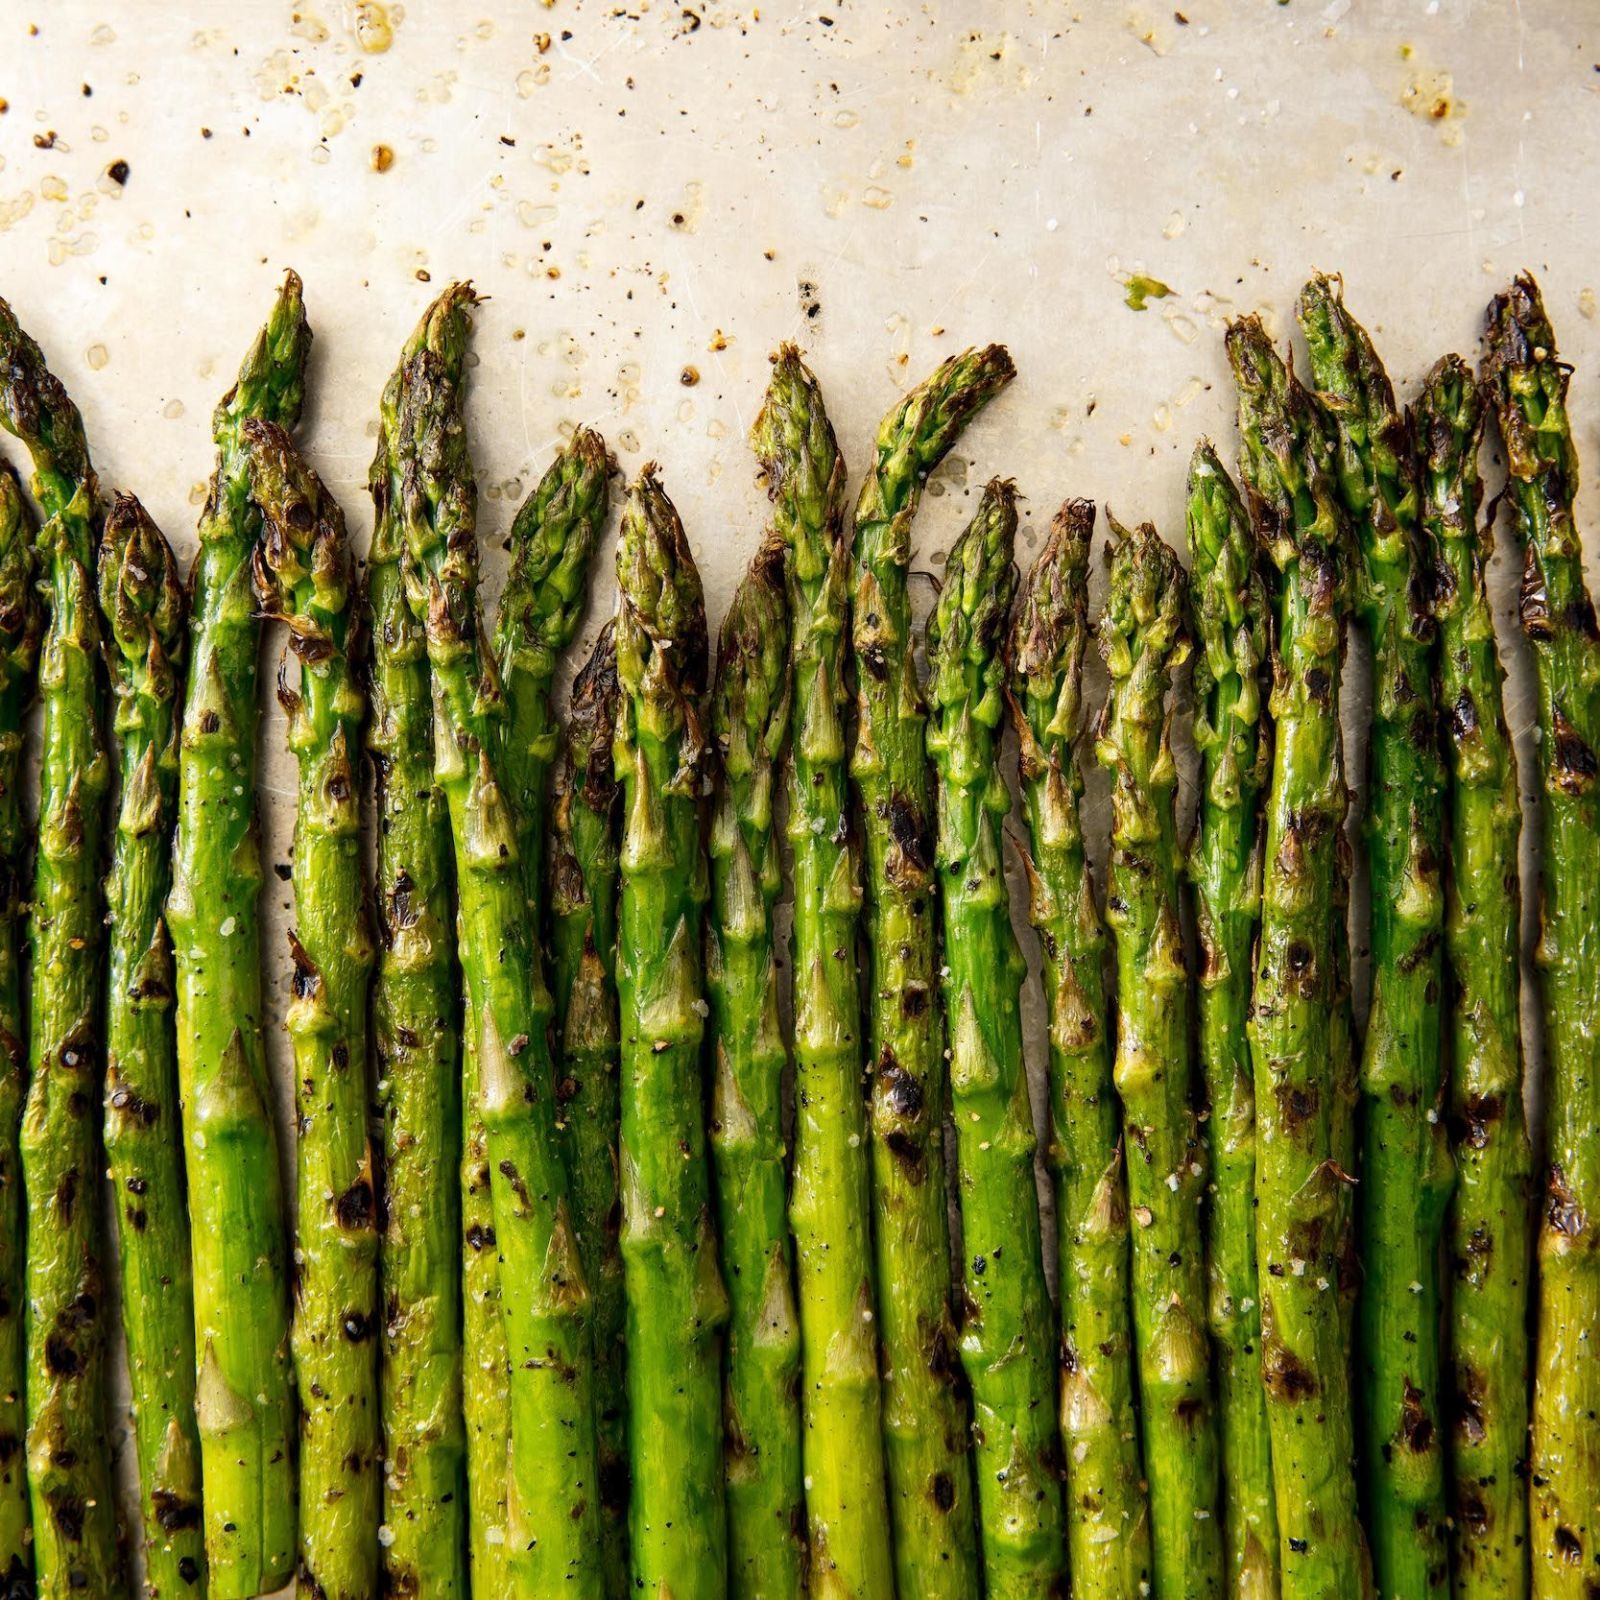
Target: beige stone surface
(652,195)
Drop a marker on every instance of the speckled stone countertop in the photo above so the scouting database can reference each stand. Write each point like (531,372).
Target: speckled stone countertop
(651,196)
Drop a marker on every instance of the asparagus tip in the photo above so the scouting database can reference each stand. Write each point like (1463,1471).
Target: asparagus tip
(141,592)
(1144,614)
(447,326)
(980,579)
(36,409)
(1055,598)
(794,444)
(750,708)
(271,381)
(1518,331)
(303,537)
(591,719)
(1449,417)
(659,592)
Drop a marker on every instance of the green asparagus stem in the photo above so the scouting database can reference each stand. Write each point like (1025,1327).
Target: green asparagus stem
(584,864)
(839,1391)
(487,1377)
(1108,1521)
(1143,640)
(1529,385)
(1489,1223)
(1406,1172)
(677,1305)
(69,1450)
(552,541)
(144,607)
(925,1415)
(551,1512)
(303,578)
(1007,1342)
(549,570)
(244,1404)
(21,623)
(1302,1245)
(416,1042)
(750,718)
(1229,620)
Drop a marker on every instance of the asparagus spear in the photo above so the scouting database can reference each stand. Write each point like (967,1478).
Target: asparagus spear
(925,1416)
(1108,1521)
(243,1406)
(1406,1169)
(1529,385)
(1489,1221)
(840,1407)
(1143,639)
(1229,609)
(677,1305)
(552,1525)
(303,578)
(69,1455)
(750,718)
(1007,1343)
(416,1041)
(583,867)
(1302,1245)
(21,623)
(552,541)
(143,604)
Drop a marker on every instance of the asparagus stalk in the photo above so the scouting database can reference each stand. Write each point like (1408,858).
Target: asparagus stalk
(1007,1340)
(925,1415)
(416,1041)
(1489,1223)
(677,1305)
(243,1404)
(552,1522)
(303,578)
(1108,1521)
(1302,1245)
(1143,639)
(21,623)
(69,1455)
(1406,1173)
(583,866)
(1229,610)
(552,540)
(1529,385)
(486,1402)
(142,601)
(840,1406)
(750,718)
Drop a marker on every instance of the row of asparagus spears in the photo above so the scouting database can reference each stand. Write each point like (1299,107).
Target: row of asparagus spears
(668,1333)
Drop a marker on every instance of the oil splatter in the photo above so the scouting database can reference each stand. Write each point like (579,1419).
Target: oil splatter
(1430,95)
(13,211)
(374,24)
